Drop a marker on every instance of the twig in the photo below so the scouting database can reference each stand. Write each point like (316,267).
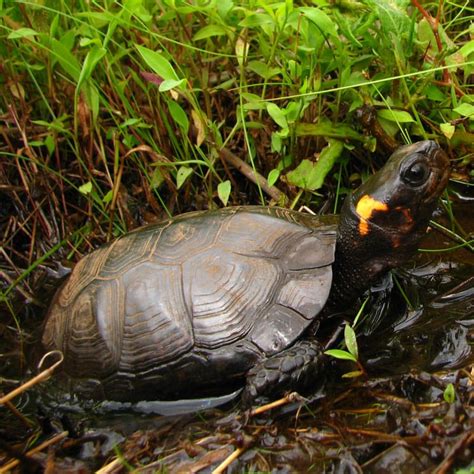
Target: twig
(445,466)
(41,377)
(291,397)
(109,467)
(269,406)
(230,459)
(18,414)
(252,175)
(9,466)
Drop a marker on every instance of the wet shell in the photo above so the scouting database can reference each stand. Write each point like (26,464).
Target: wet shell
(192,302)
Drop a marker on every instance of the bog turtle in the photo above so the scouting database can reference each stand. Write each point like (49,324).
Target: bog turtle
(206,301)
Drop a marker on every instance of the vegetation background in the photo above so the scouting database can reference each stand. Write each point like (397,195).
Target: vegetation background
(114,114)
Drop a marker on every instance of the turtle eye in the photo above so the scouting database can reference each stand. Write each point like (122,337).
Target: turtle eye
(416,174)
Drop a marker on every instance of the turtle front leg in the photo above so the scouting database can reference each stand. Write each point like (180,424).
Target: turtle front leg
(295,368)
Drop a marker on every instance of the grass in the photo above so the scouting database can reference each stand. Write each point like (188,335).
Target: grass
(116,114)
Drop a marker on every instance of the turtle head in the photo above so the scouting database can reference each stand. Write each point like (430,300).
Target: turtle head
(383,221)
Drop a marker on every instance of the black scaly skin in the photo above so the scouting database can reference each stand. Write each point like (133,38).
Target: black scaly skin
(391,237)
(391,240)
(294,367)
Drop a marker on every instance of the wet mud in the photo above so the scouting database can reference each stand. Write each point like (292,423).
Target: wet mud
(412,412)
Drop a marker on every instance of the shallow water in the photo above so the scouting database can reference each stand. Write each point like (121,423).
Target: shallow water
(396,416)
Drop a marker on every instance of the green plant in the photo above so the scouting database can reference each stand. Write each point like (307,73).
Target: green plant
(449,393)
(350,353)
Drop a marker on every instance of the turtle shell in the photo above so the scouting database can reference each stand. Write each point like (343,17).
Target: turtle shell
(187,306)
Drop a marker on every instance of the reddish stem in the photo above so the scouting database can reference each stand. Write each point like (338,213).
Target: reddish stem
(434,23)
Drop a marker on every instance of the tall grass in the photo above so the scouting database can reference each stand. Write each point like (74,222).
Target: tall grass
(115,114)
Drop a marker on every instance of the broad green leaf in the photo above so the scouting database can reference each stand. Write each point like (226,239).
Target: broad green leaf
(224,7)
(303,175)
(89,42)
(253,101)
(391,115)
(95,54)
(157,178)
(426,37)
(187,9)
(108,197)
(158,63)
(320,19)
(208,31)
(179,116)
(273,177)
(466,110)
(434,93)
(393,17)
(171,84)
(390,128)
(138,9)
(449,393)
(277,114)
(22,33)
(294,111)
(66,59)
(98,19)
(276,142)
(353,374)
(133,122)
(262,69)
(310,176)
(223,191)
(467,49)
(93,99)
(182,175)
(53,28)
(340,354)
(256,19)
(327,129)
(351,341)
(249,97)
(328,157)
(50,144)
(447,129)
(86,188)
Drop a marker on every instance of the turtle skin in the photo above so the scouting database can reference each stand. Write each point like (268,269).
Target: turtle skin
(186,307)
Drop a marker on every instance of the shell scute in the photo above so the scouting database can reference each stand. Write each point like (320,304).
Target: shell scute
(313,250)
(226,294)
(278,328)
(157,325)
(306,293)
(84,272)
(84,339)
(185,238)
(259,234)
(127,251)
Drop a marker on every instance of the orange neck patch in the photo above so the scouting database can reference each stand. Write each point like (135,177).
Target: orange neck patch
(365,208)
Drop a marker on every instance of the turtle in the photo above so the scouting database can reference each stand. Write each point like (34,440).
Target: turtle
(208,301)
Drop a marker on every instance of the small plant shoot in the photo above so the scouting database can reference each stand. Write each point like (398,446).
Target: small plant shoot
(449,393)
